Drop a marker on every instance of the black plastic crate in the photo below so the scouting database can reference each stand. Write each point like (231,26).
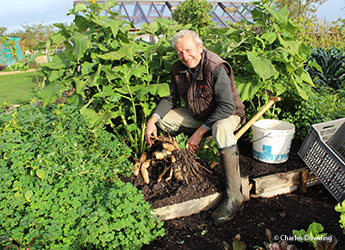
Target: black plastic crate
(323,151)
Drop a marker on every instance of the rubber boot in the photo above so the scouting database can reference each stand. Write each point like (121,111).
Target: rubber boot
(233,198)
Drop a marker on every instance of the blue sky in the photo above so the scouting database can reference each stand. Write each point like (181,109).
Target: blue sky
(14,13)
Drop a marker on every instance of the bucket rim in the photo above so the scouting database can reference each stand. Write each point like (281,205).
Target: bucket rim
(265,121)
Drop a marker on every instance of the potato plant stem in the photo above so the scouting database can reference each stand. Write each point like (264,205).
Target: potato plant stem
(135,145)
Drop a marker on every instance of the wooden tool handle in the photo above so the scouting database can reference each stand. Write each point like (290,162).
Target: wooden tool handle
(257,116)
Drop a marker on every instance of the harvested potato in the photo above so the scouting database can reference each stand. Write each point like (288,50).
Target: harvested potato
(158,155)
(137,165)
(168,146)
(143,157)
(136,168)
(178,174)
(165,152)
(144,172)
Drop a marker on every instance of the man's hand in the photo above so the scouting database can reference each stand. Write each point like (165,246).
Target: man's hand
(151,130)
(195,139)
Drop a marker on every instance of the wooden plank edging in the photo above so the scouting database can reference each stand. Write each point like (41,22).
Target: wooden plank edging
(282,183)
(195,206)
(265,187)
(187,208)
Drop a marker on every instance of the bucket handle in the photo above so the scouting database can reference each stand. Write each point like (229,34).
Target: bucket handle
(260,137)
(257,116)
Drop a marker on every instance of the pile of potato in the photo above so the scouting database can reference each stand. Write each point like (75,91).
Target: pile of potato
(178,163)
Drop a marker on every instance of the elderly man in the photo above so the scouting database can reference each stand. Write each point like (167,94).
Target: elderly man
(205,83)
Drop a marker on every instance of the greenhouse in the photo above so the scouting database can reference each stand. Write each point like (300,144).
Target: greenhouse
(147,11)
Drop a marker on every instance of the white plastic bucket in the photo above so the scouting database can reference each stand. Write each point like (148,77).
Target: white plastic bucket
(272,140)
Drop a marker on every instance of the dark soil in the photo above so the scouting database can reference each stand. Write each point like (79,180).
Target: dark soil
(281,214)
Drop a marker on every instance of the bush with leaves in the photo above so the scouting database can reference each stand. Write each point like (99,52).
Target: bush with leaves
(61,188)
(34,35)
(197,13)
(324,104)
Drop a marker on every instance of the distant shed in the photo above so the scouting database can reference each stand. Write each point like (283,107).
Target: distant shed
(11,50)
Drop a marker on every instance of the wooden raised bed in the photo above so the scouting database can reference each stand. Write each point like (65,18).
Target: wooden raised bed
(265,186)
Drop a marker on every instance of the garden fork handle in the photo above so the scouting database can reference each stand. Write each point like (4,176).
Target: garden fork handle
(257,116)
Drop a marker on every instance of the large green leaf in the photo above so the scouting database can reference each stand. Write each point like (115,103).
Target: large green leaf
(281,14)
(262,66)
(96,119)
(107,91)
(93,80)
(82,23)
(269,37)
(163,89)
(80,85)
(81,44)
(127,51)
(75,99)
(59,62)
(49,93)
(306,78)
(292,46)
(148,29)
(297,82)
(114,25)
(55,75)
(247,87)
(79,7)
(110,4)
(146,108)
(64,30)
(132,127)
(58,38)
(86,68)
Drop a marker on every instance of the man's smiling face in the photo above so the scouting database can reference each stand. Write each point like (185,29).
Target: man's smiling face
(188,51)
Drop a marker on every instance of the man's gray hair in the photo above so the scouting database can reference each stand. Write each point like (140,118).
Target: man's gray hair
(196,38)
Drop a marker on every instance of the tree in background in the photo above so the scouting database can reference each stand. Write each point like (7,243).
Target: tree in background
(300,8)
(2,30)
(35,35)
(195,12)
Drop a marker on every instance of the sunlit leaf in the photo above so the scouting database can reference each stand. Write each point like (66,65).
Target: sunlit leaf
(28,194)
(262,66)
(82,23)
(126,51)
(81,44)
(247,87)
(281,14)
(49,93)
(41,174)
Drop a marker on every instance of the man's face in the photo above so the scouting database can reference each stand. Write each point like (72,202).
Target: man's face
(188,51)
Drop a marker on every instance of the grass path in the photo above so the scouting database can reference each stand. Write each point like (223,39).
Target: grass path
(19,88)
